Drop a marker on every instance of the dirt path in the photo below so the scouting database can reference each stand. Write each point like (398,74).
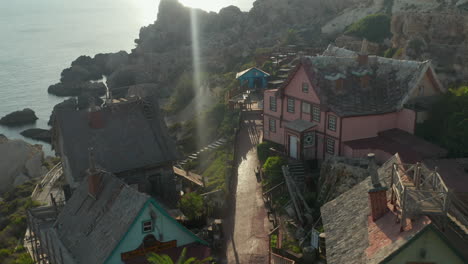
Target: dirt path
(248,227)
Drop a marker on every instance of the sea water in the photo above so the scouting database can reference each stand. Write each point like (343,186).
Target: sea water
(39,38)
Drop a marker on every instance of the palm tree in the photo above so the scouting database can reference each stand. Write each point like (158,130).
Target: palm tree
(154,258)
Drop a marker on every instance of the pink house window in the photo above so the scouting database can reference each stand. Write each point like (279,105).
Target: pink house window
(330,146)
(272,125)
(332,123)
(305,87)
(290,105)
(273,103)
(305,108)
(316,114)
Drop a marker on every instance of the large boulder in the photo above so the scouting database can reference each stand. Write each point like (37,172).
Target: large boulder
(17,118)
(37,134)
(77,88)
(20,162)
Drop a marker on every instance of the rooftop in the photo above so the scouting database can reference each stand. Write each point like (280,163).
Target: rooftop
(132,135)
(300,125)
(454,172)
(79,226)
(387,87)
(239,74)
(410,148)
(352,236)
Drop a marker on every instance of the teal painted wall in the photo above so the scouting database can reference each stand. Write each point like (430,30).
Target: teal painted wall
(164,226)
(437,251)
(252,76)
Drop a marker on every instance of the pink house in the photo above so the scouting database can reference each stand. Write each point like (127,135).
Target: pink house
(330,103)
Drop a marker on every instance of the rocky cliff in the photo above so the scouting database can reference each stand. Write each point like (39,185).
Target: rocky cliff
(19,163)
(441,36)
(229,39)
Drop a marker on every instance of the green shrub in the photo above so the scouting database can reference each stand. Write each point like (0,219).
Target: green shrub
(374,28)
(390,52)
(272,169)
(183,93)
(263,150)
(217,174)
(191,204)
(447,124)
(399,52)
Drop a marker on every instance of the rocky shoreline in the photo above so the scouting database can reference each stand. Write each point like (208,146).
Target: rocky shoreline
(20,162)
(18,118)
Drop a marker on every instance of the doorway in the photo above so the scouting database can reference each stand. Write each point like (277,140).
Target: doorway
(293,146)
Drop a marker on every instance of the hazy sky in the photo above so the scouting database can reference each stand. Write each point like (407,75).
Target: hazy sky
(148,7)
(216,5)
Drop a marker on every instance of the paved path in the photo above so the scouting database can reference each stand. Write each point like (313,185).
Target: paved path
(247,227)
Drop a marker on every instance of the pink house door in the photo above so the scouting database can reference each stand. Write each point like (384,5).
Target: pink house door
(293,147)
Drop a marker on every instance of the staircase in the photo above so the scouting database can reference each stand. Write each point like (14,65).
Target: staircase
(194,156)
(148,110)
(297,171)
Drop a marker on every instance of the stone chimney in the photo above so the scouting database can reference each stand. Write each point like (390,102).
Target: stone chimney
(95,115)
(363,55)
(94,177)
(378,193)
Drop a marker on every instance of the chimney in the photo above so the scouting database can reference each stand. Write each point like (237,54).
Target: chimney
(363,55)
(94,177)
(378,193)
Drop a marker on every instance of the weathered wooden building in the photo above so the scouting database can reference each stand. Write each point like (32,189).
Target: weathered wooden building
(348,104)
(107,221)
(253,78)
(128,137)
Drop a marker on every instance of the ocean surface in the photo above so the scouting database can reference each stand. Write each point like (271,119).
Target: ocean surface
(39,38)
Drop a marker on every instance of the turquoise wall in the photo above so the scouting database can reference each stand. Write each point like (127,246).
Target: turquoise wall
(436,251)
(164,225)
(253,75)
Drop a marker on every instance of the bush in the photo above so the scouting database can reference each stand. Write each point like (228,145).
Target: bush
(448,122)
(272,169)
(191,204)
(374,28)
(263,150)
(183,93)
(390,52)
(13,223)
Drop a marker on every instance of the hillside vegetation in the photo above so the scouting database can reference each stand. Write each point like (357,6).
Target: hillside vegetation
(13,224)
(448,122)
(375,28)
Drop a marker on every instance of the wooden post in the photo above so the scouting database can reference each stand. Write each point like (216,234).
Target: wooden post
(403,211)
(28,219)
(392,197)
(417,175)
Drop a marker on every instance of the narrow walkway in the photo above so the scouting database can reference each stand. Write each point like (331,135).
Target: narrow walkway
(47,186)
(247,227)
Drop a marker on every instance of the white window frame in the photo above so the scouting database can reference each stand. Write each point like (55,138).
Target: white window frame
(332,122)
(331,146)
(304,104)
(316,113)
(273,103)
(272,125)
(291,105)
(147,224)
